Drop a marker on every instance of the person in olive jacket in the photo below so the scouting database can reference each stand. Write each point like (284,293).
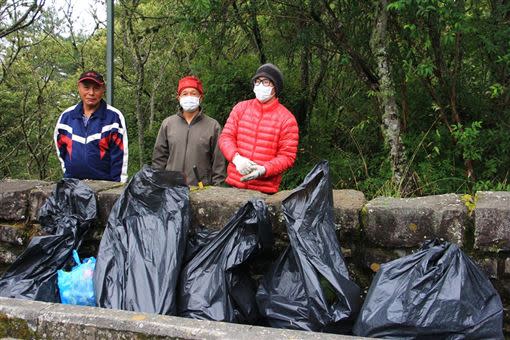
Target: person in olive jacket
(190,139)
(261,136)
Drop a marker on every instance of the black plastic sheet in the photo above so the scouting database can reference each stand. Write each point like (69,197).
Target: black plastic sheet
(216,283)
(197,239)
(65,216)
(435,293)
(142,248)
(309,287)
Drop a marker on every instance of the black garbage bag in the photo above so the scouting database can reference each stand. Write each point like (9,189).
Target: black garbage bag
(143,245)
(308,287)
(65,216)
(198,239)
(216,283)
(435,293)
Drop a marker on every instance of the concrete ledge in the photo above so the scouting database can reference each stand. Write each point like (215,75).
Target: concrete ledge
(14,198)
(105,201)
(211,207)
(13,234)
(32,319)
(492,221)
(347,209)
(38,196)
(406,222)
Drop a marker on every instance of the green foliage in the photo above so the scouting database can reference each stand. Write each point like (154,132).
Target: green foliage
(496,90)
(225,83)
(491,186)
(450,62)
(467,138)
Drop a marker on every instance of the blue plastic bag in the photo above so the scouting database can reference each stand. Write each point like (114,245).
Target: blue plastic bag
(77,286)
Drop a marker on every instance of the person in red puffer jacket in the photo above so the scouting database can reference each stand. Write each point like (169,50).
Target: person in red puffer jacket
(261,136)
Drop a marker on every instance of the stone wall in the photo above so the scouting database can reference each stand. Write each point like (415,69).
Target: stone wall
(370,233)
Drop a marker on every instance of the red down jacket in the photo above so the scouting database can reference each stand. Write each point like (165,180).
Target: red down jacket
(267,134)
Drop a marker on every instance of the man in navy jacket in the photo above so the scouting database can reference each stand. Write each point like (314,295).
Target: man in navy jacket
(91,136)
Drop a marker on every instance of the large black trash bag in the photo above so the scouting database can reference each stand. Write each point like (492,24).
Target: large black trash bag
(435,293)
(65,217)
(215,284)
(308,287)
(198,239)
(142,249)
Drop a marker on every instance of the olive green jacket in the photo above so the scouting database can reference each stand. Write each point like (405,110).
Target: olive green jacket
(180,146)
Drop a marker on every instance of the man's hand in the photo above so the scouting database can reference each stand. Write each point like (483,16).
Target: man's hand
(243,165)
(257,171)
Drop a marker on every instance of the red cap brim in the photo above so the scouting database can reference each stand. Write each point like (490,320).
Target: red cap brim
(90,78)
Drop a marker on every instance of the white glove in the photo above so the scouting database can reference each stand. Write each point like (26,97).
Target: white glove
(243,165)
(257,171)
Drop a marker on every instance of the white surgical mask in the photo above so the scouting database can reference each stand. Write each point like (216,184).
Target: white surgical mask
(189,103)
(262,93)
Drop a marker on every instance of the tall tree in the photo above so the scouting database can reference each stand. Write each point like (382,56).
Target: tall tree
(379,80)
(139,39)
(433,36)
(386,95)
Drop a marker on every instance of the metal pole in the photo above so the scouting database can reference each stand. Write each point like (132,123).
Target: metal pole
(109,51)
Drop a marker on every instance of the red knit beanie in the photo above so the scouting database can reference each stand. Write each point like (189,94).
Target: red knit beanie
(190,81)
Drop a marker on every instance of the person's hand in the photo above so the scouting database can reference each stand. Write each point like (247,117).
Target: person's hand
(243,165)
(257,171)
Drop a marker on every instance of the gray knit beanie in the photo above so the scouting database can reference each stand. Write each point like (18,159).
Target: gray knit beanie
(272,73)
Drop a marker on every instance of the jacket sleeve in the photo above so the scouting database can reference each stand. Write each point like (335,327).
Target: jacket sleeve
(287,149)
(228,137)
(119,152)
(161,151)
(61,141)
(219,165)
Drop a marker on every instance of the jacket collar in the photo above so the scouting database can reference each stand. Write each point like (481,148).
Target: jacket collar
(267,106)
(195,119)
(99,113)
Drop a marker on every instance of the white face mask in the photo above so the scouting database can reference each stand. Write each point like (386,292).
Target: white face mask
(189,103)
(262,93)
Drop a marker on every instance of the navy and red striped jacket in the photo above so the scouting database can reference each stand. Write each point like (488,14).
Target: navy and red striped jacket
(96,151)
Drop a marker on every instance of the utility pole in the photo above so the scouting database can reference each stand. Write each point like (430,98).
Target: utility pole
(109,51)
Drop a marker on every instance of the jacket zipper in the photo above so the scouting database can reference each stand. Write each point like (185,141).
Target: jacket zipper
(257,132)
(186,149)
(247,185)
(86,138)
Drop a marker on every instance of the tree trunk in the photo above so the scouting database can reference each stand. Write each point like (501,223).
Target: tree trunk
(302,109)
(468,163)
(139,112)
(448,80)
(390,118)
(257,36)
(134,42)
(157,83)
(254,31)
(152,108)
(333,29)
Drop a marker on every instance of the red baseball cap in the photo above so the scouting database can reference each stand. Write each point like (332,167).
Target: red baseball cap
(190,81)
(92,75)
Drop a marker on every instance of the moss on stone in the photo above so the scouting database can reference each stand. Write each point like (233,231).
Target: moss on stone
(364,217)
(469,202)
(495,248)
(469,237)
(15,328)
